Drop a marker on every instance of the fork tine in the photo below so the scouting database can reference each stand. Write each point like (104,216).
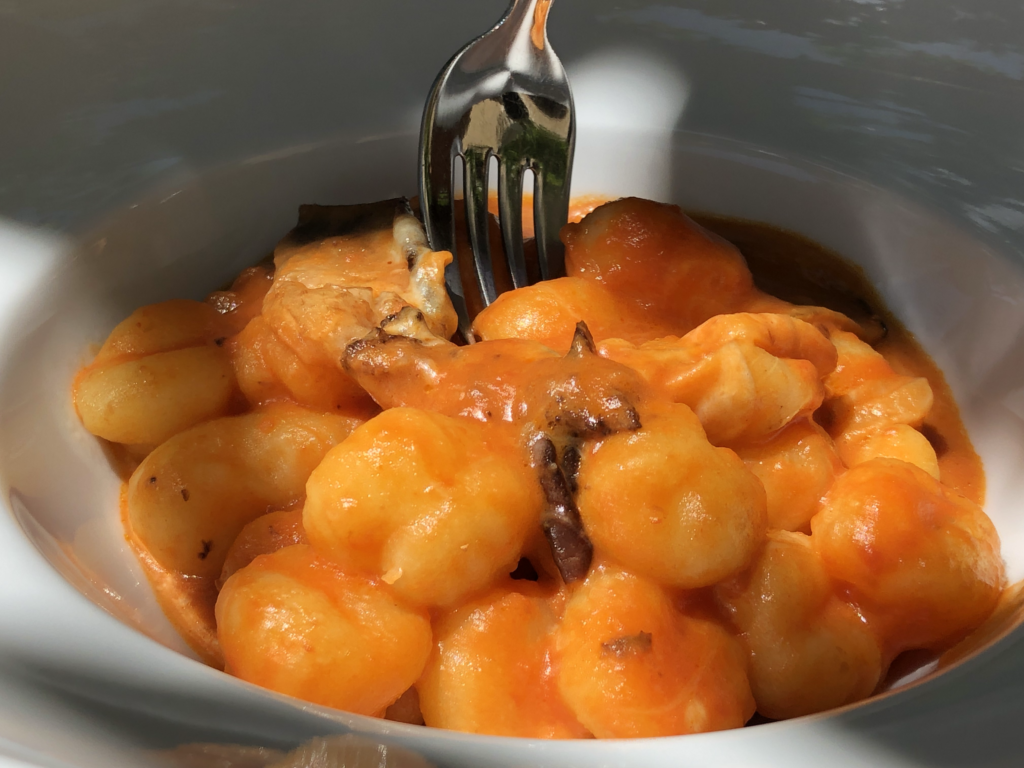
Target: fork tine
(475,191)
(505,94)
(550,212)
(510,216)
(437,200)
(453,279)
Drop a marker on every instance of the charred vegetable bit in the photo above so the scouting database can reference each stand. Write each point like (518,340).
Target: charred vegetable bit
(582,341)
(571,467)
(586,406)
(628,645)
(561,521)
(585,424)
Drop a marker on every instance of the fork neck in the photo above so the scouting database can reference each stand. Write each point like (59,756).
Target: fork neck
(529,19)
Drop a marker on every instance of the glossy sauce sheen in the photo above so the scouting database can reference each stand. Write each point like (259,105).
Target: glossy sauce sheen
(783,263)
(720,468)
(795,268)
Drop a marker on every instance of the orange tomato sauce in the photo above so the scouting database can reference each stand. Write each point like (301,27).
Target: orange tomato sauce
(784,264)
(506,374)
(792,267)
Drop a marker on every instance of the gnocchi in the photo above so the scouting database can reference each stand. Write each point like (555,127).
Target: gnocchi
(923,559)
(189,499)
(808,650)
(650,499)
(491,668)
(633,665)
(668,505)
(435,506)
(161,370)
(297,624)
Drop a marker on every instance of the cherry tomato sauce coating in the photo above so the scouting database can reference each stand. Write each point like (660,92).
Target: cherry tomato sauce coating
(921,559)
(633,665)
(492,668)
(436,506)
(297,624)
(756,489)
(263,536)
(808,650)
(162,370)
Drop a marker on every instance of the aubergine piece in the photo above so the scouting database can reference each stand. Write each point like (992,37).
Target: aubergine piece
(571,548)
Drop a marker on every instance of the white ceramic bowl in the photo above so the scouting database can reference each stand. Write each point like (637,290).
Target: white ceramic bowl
(90,671)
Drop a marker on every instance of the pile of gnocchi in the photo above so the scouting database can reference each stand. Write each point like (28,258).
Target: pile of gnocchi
(649,500)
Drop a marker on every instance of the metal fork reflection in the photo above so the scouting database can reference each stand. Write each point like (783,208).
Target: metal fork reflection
(504,95)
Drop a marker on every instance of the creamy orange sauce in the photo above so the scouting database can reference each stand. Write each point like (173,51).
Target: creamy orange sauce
(579,207)
(795,268)
(783,263)
(187,601)
(746,450)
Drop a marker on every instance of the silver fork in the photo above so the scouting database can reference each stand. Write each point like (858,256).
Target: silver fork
(505,95)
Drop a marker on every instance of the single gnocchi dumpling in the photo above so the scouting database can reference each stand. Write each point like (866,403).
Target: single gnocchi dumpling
(808,650)
(243,301)
(781,335)
(897,441)
(169,325)
(796,466)
(190,498)
(434,505)
(491,668)
(268,369)
(873,412)
(868,327)
(547,312)
(654,256)
(630,664)
(263,536)
(298,624)
(162,370)
(919,559)
(665,503)
(746,376)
